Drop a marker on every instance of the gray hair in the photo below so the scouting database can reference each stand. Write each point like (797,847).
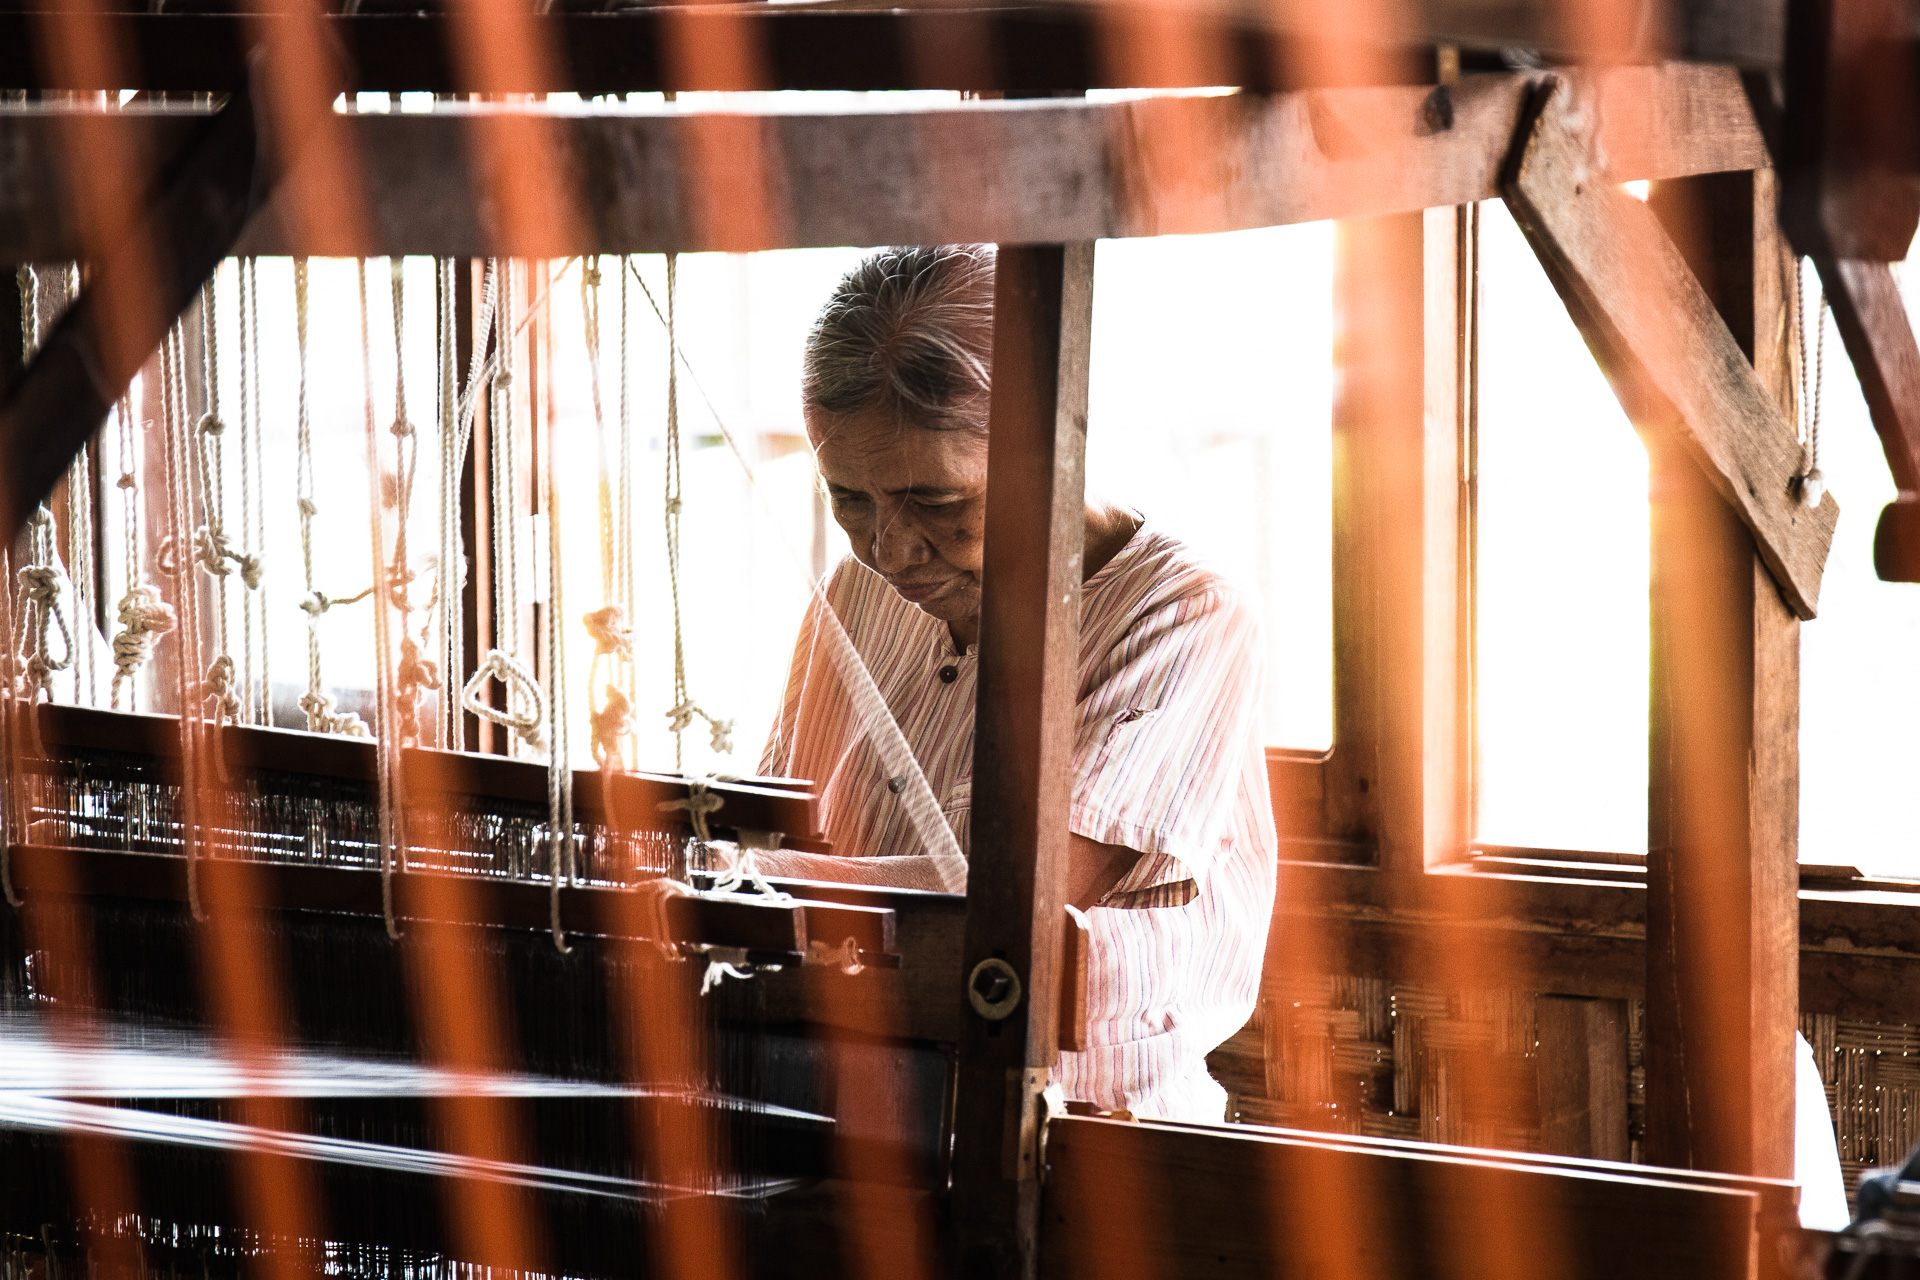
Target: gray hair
(909,330)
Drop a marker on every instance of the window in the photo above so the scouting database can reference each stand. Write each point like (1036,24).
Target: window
(1561,664)
(1211,411)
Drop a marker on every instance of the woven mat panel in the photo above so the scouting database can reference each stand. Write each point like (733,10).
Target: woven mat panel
(1369,1056)
(1871,1071)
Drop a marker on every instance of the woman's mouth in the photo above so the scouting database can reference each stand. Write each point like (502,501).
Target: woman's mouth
(919,592)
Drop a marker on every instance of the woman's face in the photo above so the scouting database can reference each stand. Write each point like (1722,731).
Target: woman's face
(913,503)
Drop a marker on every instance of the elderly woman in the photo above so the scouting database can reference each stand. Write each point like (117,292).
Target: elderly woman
(1172,848)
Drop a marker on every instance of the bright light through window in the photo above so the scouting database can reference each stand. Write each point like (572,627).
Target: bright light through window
(1561,574)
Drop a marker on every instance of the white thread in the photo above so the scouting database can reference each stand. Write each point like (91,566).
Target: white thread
(219,688)
(144,618)
(612,725)
(513,674)
(386,737)
(40,612)
(876,721)
(697,804)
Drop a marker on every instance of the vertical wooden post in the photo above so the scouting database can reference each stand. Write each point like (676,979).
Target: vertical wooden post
(1023,744)
(1723,785)
(1395,775)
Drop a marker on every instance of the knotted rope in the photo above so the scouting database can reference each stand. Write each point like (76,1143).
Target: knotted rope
(697,804)
(612,725)
(40,612)
(219,688)
(529,722)
(416,674)
(144,618)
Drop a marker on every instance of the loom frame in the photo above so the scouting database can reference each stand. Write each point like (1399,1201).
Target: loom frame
(1413,875)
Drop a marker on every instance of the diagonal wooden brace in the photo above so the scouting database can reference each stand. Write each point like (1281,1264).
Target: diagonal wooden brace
(1669,356)
(131,296)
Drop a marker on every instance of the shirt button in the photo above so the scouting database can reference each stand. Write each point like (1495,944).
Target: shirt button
(949,674)
(897,785)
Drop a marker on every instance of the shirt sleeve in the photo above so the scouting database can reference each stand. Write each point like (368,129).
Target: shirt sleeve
(1168,719)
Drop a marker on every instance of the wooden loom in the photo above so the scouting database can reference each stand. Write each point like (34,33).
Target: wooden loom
(1064,1194)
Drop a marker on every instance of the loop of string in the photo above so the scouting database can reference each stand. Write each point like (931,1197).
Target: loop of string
(680,717)
(514,674)
(40,612)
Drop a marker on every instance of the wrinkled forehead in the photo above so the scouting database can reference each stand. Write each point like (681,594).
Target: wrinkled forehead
(879,452)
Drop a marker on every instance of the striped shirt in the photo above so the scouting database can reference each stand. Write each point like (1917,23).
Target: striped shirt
(1168,761)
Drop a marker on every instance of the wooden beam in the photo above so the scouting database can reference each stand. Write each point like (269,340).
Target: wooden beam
(1395,778)
(1024,732)
(1723,785)
(1045,171)
(1670,357)
(1020,48)
(144,280)
(1150,1199)
(1872,318)
(1848,137)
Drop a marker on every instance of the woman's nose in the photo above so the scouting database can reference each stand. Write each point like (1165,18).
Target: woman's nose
(897,545)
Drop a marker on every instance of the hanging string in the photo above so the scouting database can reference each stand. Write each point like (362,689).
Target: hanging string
(144,616)
(253,698)
(623,536)
(80,572)
(609,625)
(386,734)
(1812,484)
(41,567)
(213,551)
(680,718)
(40,612)
(560,832)
(526,721)
(417,674)
(870,707)
(8,744)
(315,702)
(451,580)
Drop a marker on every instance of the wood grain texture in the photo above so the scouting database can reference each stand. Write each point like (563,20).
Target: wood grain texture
(1395,778)
(1872,319)
(1723,770)
(1042,171)
(1667,352)
(1024,730)
(1148,1199)
(1582,1056)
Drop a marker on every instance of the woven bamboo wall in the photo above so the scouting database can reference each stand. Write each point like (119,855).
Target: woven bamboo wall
(1371,1056)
